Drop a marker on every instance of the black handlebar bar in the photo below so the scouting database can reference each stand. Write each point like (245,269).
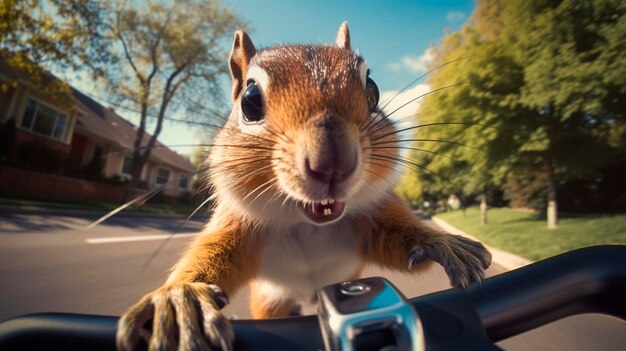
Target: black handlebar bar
(585,280)
(582,281)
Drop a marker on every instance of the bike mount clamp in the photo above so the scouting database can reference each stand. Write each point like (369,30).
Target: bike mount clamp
(350,311)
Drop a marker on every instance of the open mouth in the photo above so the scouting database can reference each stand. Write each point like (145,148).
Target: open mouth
(324,211)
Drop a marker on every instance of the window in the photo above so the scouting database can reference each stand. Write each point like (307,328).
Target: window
(45,120)
(127,165)
(183,182)
(162,176)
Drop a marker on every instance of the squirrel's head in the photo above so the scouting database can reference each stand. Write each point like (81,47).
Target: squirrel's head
(298,143)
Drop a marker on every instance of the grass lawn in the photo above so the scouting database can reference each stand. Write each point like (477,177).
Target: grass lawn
(96,206)
(525,233)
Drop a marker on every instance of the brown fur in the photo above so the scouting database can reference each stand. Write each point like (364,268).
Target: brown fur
(390,233)
(262,308)
(225,254)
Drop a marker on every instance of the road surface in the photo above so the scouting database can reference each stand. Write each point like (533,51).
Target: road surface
(50,264)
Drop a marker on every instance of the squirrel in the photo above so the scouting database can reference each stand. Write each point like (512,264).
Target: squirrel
(303,198)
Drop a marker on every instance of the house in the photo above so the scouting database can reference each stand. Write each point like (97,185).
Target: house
(68,140)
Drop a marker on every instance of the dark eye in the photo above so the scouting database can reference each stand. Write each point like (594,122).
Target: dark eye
(371,93)
(252,104)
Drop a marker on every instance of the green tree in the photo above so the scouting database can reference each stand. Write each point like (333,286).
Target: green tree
(171,58)
(547,77)
(473,153)
(574,65)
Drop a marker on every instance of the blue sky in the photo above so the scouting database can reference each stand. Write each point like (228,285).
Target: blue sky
(393,36)
(385,32)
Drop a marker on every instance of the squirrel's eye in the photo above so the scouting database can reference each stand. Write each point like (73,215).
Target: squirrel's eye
(252,104)
(371,93)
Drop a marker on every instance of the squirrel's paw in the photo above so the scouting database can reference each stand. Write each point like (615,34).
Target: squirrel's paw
(181,315)
(463,259)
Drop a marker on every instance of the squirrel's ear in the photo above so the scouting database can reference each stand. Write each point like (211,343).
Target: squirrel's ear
(343,36)
(240,56)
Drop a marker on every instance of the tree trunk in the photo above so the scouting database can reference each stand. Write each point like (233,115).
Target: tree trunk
(483,209)
(135,175)
(553,217)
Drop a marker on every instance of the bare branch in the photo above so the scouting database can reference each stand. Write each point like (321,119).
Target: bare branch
(118,33)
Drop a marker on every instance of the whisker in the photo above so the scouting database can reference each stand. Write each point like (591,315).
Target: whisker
(394,123)
(251,162)
(430,125)
(386,117)
(279,134)
(142,198)
(413,82)
(208,199)
(266,189)
(413,148)
(425,140)
(255,146)
(285,201)
(171,235)
(425,94)
(139,148)
(256,189)
(415,166)
(269,130)
(378,175)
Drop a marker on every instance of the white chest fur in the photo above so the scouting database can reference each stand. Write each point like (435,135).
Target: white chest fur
(299,260)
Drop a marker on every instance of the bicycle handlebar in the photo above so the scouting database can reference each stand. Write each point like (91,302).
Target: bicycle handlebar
(582,281)
(586,280)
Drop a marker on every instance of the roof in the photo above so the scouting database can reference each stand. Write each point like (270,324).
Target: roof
(106,124)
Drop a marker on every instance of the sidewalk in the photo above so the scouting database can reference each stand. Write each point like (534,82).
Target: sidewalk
(503,258)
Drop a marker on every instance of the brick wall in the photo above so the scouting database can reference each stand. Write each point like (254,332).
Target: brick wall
(23,137)
(22,182)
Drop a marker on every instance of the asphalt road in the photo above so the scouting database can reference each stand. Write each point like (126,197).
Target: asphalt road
(50,264)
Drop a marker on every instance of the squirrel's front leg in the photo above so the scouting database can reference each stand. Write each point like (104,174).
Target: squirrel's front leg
(398,240)
(185,311)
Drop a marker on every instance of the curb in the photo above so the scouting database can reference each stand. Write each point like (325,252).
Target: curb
(503,258)
(85,213)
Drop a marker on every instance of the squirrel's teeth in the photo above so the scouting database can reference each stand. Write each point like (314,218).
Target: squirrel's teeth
(331,200)
(324,202)
(327,212)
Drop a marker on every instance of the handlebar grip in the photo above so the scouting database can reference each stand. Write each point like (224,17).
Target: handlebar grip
(64,331)
(582,281)
(59,331)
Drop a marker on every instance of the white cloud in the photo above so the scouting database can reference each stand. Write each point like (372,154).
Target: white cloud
(455,16)
(404,109)
(401,106)
(413,64)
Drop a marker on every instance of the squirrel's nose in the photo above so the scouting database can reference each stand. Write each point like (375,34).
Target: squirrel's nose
(331,153)
(330,169)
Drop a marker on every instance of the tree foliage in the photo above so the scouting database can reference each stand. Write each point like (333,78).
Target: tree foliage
(171,57)
(547,78)
(37,35)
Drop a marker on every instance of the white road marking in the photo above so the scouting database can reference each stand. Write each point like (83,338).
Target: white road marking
(122,239)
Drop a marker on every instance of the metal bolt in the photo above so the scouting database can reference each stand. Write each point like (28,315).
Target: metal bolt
(354,288)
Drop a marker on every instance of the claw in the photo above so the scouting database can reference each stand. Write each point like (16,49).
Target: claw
(417,256)
(181,314)
(463,259)
(220,297)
